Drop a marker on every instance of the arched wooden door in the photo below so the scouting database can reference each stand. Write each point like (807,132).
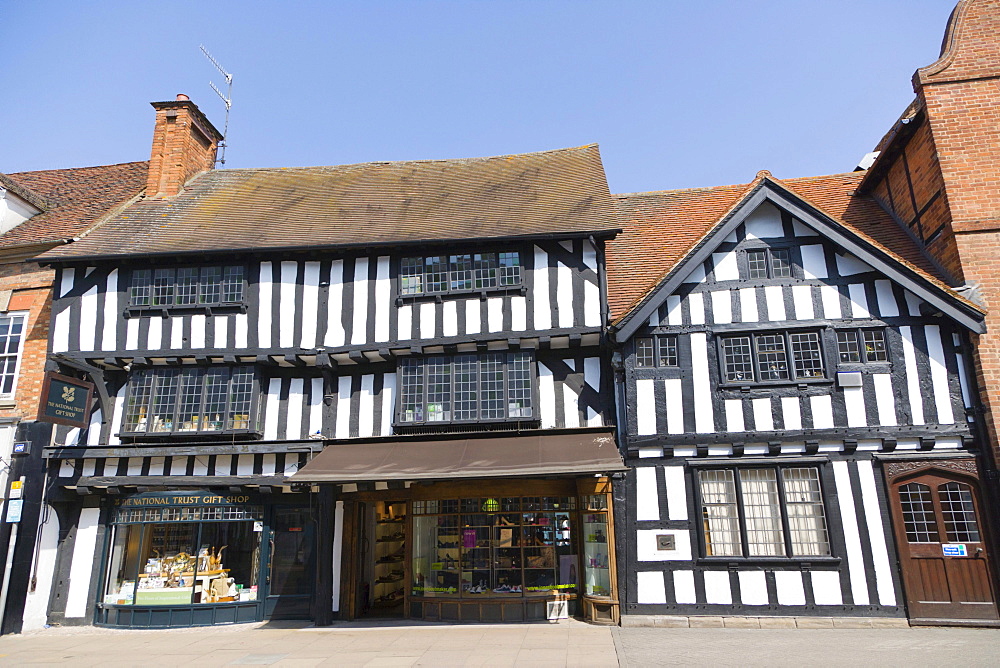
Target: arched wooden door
(942,549)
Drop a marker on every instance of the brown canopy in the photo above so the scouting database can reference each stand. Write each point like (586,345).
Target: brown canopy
(523,455)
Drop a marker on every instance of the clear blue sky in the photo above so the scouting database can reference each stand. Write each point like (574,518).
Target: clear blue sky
(678,94)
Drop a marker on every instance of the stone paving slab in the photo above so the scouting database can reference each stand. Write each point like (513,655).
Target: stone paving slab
(566,643)
(797,647)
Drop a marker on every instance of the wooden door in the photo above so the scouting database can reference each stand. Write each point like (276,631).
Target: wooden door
(942,549)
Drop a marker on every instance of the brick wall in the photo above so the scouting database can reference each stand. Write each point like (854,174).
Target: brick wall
(31,288)
(960,94)
(184,144)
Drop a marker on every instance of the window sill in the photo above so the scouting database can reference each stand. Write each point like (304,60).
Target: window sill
(772,561)
(465,427)
(736,385)
(176,435)
(167,311)
(460,294)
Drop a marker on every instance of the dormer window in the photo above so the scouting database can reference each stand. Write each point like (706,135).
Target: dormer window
(459,273)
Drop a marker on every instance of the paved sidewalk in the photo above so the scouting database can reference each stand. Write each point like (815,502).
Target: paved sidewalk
(567,643)
(885,648)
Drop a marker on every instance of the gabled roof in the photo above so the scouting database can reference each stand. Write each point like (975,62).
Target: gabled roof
(26,194)
(355,206)
(72,200)
(664,232)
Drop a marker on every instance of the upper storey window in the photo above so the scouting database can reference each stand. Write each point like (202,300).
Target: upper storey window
(164,401)
(179,287)
(11,341)
(468,272)
(772,357)
(862,345)
(492,387)
(769,263)
(656,351)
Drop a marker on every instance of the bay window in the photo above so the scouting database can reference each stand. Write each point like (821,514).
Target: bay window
(172,400)
(489,387)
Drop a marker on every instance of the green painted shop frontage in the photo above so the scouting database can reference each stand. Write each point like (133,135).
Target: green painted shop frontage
(201,557)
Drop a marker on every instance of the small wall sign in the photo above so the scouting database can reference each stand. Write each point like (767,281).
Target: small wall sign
(954,550)
(66,400)
(14,510)
(666,542)
(21,448)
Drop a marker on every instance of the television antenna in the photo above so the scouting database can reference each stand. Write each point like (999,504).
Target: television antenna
(227,99)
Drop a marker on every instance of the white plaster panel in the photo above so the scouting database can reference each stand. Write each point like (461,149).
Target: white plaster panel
(826,587)
(717,588)
(790,588)
(676,493)
(684,591)
(650,587)
(645,545)
(753,587)
(726,268)
(814,261)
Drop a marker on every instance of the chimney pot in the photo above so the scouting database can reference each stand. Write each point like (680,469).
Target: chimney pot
(181,97)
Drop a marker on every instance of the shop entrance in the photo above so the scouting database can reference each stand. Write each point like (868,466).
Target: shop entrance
(942,549)
(382,553)
(290,571)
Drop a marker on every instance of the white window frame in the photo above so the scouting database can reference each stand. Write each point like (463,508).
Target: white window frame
(19,355)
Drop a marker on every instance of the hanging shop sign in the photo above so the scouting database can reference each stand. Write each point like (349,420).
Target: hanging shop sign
(66,400)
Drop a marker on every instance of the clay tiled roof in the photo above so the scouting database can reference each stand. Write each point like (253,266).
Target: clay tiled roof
(554,192)
(660,228)
(73,200)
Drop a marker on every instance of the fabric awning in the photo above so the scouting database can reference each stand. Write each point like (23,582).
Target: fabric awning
(490,457)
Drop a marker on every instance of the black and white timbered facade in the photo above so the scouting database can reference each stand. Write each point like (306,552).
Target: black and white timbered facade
(774,386)
(226,370)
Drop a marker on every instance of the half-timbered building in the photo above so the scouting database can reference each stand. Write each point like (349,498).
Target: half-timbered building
(345,391)
(797,410)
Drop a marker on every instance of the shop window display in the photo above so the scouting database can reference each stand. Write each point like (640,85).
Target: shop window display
(494,547)
(183,555)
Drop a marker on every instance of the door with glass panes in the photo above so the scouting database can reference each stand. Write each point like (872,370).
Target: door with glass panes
(942,549)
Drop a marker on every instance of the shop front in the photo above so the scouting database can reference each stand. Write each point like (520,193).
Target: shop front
(193,558)
(449,543)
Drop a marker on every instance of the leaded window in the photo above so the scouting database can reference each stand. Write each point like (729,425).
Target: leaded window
(491,387)
(763,512)
(769,263)
(179,287)
(465,272)
(772,357)
(918,513)
(862,345)
(958,513)
(170,400)
(658,351)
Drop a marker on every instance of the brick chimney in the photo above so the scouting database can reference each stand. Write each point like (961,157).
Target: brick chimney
(184,144)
